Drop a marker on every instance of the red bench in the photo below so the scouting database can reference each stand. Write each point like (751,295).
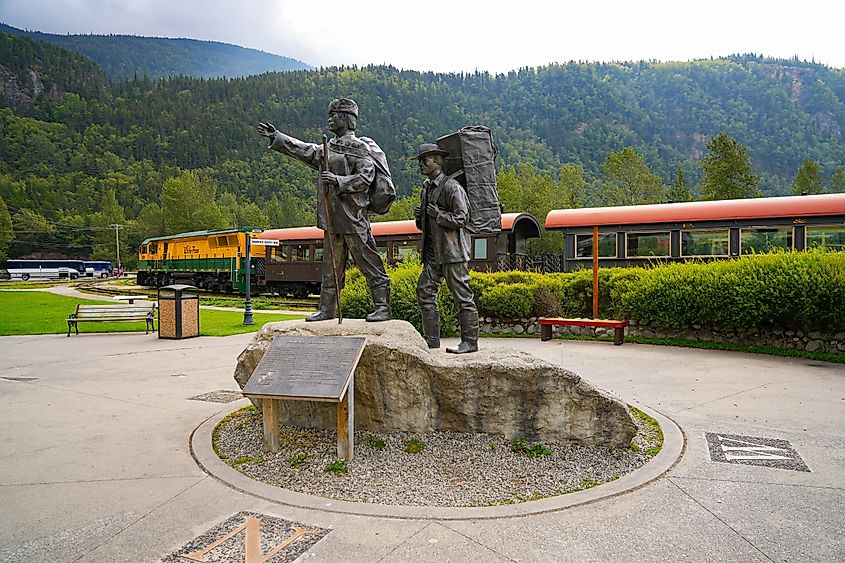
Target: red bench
(618,327)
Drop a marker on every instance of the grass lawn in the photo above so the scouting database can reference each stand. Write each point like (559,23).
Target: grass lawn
(40,312)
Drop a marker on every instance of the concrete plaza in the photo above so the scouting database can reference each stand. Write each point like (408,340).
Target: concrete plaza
(96,464)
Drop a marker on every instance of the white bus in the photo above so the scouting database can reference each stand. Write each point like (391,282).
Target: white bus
(45,269)
(98,269)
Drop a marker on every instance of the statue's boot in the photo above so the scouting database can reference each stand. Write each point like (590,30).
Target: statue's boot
(431,328)
(328,305)
(381,297)
(469,333)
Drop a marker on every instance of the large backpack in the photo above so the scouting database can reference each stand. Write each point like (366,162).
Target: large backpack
(471,162)
(382,192)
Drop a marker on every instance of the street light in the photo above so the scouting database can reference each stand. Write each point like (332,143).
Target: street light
(249,242)
(248,320)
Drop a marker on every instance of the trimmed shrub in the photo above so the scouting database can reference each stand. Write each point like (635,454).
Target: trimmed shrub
(355,299)
(512,301)
(793,290)
(357,302)
(546,303)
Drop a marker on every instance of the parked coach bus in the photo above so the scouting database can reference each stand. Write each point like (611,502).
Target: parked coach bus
(45,269)
(636,235)
(97,269)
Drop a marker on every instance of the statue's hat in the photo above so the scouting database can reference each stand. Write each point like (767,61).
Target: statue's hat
(344,105)
(430,148)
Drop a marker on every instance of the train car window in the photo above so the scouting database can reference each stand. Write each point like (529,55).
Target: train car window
(153,248)
(300,253)
(318,254)
(758,240)
(405,249)
(705,243)
(607,246)
(647,244)
(479,249)
(382,251)
(831,237)
(278,254)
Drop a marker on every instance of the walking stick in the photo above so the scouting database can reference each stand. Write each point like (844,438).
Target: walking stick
(329,228)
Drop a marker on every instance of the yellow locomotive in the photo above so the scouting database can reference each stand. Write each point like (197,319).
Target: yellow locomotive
(213,260)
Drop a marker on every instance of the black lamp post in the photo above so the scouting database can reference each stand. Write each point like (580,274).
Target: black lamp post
(248,320)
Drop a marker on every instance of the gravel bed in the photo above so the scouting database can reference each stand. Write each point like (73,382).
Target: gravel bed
(453,469)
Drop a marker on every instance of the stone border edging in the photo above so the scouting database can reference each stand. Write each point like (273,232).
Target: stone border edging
(674,446)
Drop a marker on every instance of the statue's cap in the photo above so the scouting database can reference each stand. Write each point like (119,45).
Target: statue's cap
(344,105)
(430,148)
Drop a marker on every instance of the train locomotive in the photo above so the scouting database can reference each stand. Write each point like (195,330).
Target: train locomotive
(212,260)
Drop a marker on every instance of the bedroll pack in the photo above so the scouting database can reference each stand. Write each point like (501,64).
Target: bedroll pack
(471,162)
(382,192)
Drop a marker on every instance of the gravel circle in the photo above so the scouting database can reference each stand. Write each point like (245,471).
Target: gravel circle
(452,469)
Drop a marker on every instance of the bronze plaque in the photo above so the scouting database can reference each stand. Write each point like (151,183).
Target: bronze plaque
(306,367)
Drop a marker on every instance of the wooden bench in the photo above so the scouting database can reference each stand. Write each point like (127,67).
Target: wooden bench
(131,298)
(113,313)
(618,327)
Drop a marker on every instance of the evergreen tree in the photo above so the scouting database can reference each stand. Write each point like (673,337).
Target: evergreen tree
(837,181)
(678,191)
(629,181)
(808,180)
(525,189)
(402,208)
(572,186)
(6,234)
(34,235)
(104,240)
(290,212)
(150,222)
(243,214)
(728,173)
(190,205)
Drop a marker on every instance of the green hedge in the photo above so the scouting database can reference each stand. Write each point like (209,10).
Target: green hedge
(793,290)
(357,302)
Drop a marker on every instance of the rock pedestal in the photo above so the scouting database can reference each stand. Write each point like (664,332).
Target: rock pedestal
(402,386)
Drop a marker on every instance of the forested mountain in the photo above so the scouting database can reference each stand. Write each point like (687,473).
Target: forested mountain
(126,56)
(91,152)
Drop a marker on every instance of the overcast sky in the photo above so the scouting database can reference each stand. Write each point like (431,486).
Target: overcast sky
(464,35)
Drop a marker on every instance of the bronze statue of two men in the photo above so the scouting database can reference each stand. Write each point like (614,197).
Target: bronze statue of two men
(347,170)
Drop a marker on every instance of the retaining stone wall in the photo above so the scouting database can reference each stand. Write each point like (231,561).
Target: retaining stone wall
(776,338)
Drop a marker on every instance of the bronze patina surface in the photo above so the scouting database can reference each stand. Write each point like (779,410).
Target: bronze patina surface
(306,367)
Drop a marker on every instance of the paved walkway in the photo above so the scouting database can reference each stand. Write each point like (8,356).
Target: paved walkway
(95,462)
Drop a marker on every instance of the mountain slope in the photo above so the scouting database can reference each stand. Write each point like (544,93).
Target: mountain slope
(125,56)
(88,152)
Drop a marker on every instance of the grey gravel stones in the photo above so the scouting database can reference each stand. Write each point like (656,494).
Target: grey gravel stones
(452,470)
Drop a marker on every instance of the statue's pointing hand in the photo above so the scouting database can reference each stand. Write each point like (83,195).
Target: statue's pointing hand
(267,130)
